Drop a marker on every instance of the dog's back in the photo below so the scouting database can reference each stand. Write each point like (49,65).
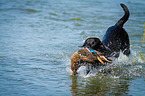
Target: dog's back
(116,38)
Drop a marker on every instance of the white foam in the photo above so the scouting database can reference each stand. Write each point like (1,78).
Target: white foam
(115,77)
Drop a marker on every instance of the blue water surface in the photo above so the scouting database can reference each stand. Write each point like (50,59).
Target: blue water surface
(38,38)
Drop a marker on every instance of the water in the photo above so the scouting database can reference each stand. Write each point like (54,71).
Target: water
(38,37)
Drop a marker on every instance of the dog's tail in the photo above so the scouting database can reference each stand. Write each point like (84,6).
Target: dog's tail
(124,18)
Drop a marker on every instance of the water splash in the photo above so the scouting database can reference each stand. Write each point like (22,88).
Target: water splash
(122,67)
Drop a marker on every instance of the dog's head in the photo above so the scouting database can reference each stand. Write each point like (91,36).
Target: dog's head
(93,43)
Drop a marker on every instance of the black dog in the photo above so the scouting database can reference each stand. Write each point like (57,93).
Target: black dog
(115,40)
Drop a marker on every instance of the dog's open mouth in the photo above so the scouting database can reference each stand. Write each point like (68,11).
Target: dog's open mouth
(85,56)
(100,56)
